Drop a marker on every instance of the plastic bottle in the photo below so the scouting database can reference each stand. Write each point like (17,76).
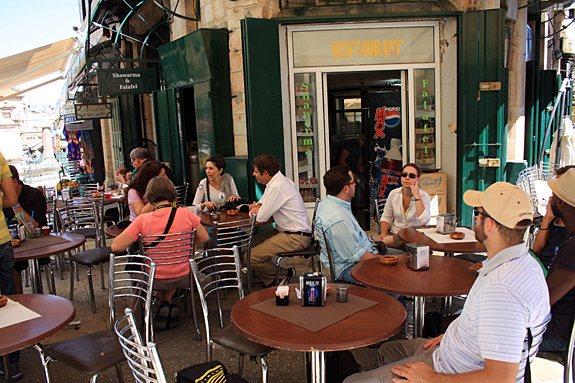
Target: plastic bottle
(391,169)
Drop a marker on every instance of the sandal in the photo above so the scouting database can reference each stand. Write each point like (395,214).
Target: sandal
(174,316)
(162,316)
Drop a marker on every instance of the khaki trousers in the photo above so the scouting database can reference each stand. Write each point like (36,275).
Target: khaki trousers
(270,243)
(392,354)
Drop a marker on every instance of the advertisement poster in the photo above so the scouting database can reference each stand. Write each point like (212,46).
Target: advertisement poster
(385,140)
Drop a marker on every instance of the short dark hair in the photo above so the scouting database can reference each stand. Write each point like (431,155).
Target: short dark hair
(14,171)
(336,178)
(266,162)
(218,161)
(415,166)
(563,170)
(160,189)
(146,172)
(513,236)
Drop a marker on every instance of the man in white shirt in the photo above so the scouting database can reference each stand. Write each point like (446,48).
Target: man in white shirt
(282,202)
(484,343)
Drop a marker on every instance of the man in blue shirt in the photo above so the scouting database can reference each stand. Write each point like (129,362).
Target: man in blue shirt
(348,242)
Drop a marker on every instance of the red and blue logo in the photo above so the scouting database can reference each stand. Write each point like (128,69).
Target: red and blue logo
(392,117)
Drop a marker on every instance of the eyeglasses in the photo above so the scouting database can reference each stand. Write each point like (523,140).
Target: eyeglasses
(410,175)
(476,213)
(352,183)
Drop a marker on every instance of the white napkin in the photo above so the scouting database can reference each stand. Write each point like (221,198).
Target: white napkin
(445,238)
(14,313)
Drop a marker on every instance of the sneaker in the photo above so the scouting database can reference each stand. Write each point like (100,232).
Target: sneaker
(16,376)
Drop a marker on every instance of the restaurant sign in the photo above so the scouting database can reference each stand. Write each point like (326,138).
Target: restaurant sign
(80,125)
(112,82)
(364,46)
(88,111)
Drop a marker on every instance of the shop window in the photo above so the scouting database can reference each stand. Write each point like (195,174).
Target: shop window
(425,128)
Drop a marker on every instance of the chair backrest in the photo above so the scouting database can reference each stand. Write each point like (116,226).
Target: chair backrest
(569,362)
(89,188)
(182,191)
(237,233)
(131,277)
(173,249)
(379,206)
(325,251)
(142,358)
(216,270)
(530,352)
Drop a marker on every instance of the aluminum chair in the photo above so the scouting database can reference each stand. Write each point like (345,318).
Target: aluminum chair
(182,191)
(529,353)
(85,220)
(173,249)
(379,206)
(142,357)
(325,250)
(568,376)
(96,352)
(308,252)
(237,233)
(217,270)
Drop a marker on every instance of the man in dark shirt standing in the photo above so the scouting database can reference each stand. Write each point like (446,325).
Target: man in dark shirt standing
(561,278)
(29,200)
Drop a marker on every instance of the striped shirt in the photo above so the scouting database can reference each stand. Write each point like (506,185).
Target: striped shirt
(509,295)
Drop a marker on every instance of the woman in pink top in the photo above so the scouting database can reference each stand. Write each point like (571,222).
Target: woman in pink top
(161,195)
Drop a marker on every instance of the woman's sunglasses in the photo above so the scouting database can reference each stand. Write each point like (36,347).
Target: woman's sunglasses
(410,175)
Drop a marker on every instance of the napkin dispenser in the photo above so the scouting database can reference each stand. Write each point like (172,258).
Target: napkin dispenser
(313,288)
(417,257)
(446,223)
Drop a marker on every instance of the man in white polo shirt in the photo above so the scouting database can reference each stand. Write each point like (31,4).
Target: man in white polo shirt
(283,202)
(484,343)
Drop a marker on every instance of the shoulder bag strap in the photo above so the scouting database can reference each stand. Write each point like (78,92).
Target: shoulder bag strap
(207,189)
(168,226)
(527,374)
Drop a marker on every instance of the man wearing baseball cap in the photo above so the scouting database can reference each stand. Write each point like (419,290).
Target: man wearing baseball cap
(484,343)
(561,278)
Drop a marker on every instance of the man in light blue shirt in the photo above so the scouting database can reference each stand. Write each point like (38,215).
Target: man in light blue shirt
(348,242)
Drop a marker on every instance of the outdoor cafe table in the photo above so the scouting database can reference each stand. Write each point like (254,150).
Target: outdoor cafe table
(452,246)
(371,325)
(208,221)
(445,277)
(34,248)
(56,313)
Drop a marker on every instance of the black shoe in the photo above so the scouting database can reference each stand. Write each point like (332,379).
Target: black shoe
(16,375)
(289,275)
(162,316)
(174,316)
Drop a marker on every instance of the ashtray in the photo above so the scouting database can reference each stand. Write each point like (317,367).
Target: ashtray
(457,235)
(327,289)
(15,242)
(232,212)
(215,215)
(388,260)
(3,300)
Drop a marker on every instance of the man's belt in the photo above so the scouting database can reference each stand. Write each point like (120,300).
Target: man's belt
(298,233)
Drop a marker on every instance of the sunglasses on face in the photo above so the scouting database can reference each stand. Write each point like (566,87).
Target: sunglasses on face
(410,175)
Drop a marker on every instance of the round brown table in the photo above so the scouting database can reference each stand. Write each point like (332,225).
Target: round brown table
(206,218)
(361,329)
(113,231)
(20,254)
(445,277)
(57,313)
(411,235)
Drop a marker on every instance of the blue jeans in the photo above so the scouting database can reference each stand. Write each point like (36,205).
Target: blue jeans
(8,287)
(551,343)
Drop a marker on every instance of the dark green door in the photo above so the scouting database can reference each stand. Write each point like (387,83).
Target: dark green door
(482,116)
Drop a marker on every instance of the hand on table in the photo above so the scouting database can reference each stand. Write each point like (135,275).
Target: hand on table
(210,205)
(476,266)
(413,372)
(233,198)
(254,208)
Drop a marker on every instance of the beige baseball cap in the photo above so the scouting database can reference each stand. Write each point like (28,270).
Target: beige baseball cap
(564,187)
(506,203)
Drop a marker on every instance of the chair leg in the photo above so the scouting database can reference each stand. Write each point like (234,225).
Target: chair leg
(71,280)
(45,360)
(76,271)
(91,288)
(276,279)
(93,378)
(102,275)
(194,314)
(49,271)
(264,363)
(240,365)
(26,277)
(119,374)
(60,264)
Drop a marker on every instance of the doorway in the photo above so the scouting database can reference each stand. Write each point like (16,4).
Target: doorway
(365,118)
